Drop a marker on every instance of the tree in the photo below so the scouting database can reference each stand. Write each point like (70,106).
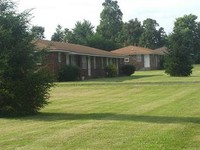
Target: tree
(111,20)
(131,33)
(38,32)
(188,23)
(59,34)
(151,37)
(181,45)
(97,41)
(81,33)
(24,89)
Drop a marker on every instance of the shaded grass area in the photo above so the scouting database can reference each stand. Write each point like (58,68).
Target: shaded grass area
(149,110)
(111,117)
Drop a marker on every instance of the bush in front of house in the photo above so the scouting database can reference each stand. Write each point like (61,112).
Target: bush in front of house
(69,73)
(127,70)
(111,71)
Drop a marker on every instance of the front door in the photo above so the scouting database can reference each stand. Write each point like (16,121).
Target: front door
(147,61)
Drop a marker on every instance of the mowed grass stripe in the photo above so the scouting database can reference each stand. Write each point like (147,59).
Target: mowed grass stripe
(113,114)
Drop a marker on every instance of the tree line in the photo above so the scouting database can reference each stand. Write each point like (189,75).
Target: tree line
(183,44)
(113,33)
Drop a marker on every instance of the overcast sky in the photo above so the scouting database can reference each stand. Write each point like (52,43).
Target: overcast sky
(50,13)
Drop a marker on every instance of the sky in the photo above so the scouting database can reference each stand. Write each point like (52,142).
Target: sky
(50,13)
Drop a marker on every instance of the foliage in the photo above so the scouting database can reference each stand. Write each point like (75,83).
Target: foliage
(178,61)
(99,42)
(111,71)
(128,70)
(81,33)
(131,33)
(111,20)
(191,28)
(151,37)
(38,32)
(23,88)
(69,73)
(59,34)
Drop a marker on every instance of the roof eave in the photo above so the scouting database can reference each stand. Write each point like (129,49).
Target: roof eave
(84,54)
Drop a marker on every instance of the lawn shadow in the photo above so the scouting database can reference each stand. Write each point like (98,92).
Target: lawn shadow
(120,78)
(45,116)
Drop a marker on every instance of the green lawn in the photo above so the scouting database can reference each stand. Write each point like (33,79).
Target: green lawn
(149,110)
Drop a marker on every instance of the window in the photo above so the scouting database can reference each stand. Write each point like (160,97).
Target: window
(107,63)
(102,64)
(139,58)
(73,60)
(126,59)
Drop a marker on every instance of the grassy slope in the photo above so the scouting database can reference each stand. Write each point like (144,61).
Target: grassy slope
(149,110)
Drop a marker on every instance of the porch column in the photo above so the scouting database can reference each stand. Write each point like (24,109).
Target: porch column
(89,66)
(95,66)
(117,64)
(67,58)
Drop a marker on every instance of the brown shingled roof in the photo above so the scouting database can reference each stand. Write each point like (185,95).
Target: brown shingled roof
(73,48)
(161,50)
(134,50)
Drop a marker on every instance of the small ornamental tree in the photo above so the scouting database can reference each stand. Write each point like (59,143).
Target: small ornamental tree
(111,71)
(24,89)
(178,61)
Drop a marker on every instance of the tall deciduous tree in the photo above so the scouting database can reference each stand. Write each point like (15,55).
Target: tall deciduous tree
(131,33)
(111,20)
(151,37)
(38,32)
(182,44)
(23,88)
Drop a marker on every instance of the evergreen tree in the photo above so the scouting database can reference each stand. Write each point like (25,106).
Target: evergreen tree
(23,88)
(178,61)
(81,33)
(59,34)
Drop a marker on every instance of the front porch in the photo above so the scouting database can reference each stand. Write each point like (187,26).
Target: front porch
(90,66)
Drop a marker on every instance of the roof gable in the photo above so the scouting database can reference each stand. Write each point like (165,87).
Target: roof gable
(134,50)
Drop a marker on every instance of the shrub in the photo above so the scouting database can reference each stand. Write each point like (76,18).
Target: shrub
(127,70)
(111,71)
(69,73)
(26,95)
(23,88)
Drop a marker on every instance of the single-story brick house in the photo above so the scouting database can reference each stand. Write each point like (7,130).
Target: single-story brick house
(142,58)
(91,61)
